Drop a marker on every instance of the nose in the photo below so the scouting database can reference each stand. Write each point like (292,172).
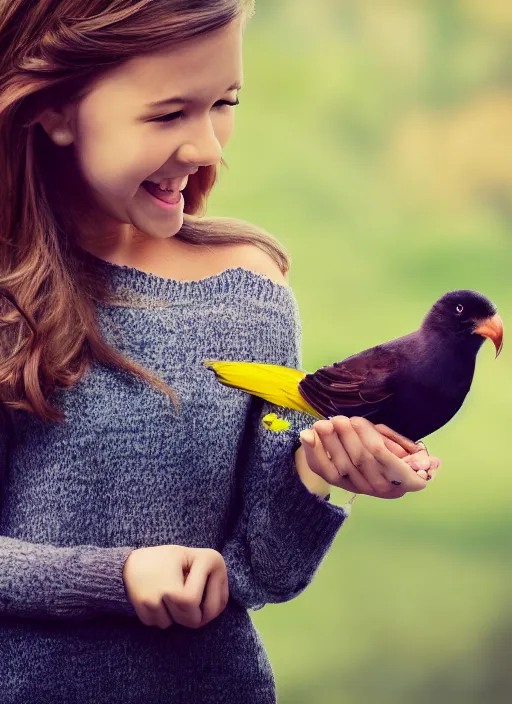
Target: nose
(201,149)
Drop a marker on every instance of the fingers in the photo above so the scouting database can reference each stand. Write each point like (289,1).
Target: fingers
(361,466)
(173,586)
(316,456)
(397,438)
(340,465)
(184,602)
(419,460)
(157,610)
(217,595)
(425,465)
(320,461)
(393,446)
(162,617)
(353,454)
(370,455)
(432,473)
(206,591)
(154,614)
(391,467)
(435,463)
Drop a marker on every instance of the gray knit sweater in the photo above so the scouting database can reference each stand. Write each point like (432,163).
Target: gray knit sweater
(126,471)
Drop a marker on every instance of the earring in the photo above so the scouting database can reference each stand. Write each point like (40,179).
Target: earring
(62,137)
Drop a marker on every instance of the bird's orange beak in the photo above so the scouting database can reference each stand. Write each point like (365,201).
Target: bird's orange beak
(493,329)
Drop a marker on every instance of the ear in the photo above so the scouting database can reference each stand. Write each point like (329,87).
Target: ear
(57,126)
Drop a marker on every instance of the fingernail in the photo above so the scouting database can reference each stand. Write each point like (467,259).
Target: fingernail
(308,437)
(396,483)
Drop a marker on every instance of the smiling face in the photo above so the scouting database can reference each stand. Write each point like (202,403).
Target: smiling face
(119,141)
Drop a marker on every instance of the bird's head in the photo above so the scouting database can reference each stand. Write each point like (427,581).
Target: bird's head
(466,314)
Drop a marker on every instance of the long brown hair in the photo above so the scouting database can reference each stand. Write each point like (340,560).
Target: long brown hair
(51,51)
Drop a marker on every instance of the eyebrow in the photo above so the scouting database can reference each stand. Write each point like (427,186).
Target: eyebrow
(179,99)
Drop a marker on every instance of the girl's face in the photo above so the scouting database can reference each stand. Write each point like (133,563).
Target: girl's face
(119,140)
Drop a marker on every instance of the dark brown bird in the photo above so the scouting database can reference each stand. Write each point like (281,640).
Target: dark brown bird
(413,384)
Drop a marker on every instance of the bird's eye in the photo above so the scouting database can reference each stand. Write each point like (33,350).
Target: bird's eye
(459,308)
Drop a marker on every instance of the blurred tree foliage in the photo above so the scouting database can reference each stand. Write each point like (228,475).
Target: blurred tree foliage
(374,139)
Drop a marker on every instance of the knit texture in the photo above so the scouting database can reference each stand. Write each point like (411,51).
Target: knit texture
(128,470)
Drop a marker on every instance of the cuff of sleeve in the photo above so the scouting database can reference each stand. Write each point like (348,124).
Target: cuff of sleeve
(105,588)
(304,510)
(301,527)
(299,516)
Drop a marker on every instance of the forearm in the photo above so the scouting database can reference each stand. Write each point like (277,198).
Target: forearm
(277,547)
(312,482)
(77,583)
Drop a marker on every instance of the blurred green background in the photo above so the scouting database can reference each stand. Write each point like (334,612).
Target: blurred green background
(374,140)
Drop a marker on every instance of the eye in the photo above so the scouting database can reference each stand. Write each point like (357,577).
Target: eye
(459,308)
(177,115)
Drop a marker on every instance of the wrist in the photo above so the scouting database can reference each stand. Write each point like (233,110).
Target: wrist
(313,483)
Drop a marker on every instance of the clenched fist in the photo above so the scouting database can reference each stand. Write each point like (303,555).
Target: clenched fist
(173,583)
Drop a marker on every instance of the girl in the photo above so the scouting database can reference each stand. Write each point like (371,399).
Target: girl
(138,493)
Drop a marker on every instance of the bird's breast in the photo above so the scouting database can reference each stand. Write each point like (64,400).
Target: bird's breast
(423,405)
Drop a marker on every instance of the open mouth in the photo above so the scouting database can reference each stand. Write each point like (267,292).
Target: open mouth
(170,197)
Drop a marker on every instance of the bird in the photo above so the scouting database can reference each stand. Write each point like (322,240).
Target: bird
(412,384)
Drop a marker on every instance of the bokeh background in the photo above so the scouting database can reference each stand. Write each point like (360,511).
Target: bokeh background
(374,140)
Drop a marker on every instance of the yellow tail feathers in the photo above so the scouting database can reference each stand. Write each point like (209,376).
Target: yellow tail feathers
(278,385)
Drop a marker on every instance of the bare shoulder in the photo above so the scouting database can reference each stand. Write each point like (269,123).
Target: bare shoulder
(250,256)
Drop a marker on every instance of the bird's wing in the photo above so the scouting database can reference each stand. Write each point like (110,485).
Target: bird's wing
(361,384)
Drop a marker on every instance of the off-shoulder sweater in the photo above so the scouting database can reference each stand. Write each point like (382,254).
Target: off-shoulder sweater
(128,470)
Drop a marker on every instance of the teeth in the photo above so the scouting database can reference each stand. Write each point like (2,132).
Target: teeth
(166,184)
(171,184)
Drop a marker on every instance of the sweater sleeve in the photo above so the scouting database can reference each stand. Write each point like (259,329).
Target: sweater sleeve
(42,581)
(75,583)
(283,531)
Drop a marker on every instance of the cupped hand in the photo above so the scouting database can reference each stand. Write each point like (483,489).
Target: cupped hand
(418,459)
(363,458)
